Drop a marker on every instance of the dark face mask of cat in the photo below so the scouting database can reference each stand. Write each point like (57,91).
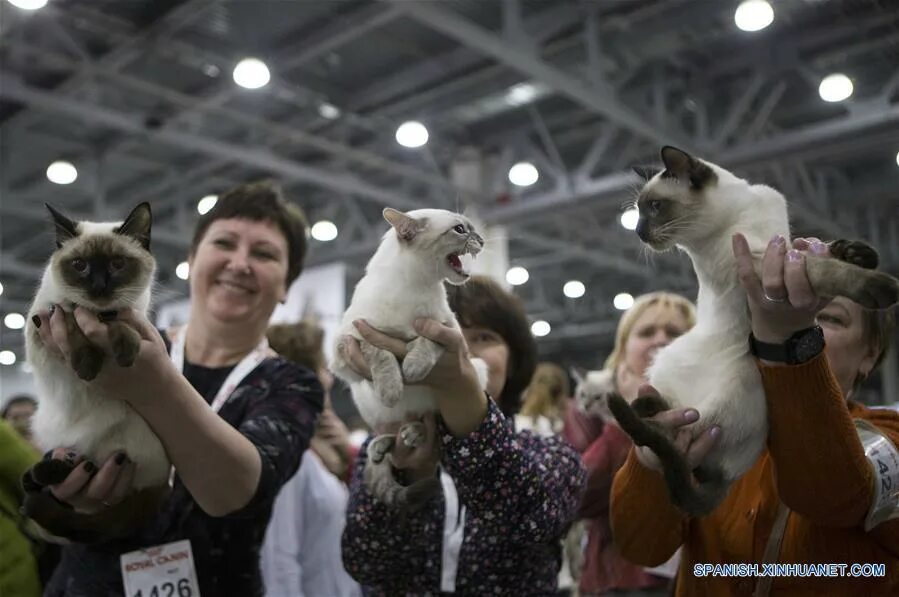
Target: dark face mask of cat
(103,267)
(671,197)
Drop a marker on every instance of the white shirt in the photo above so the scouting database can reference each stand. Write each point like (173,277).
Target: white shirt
(301,550)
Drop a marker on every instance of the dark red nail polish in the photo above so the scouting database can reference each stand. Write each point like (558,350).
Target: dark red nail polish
(90,467)
(36,321)
(120,458)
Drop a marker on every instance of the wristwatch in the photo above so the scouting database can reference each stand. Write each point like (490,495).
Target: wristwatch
(799,348)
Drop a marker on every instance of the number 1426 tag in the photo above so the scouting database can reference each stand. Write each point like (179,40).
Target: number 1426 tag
(160,571)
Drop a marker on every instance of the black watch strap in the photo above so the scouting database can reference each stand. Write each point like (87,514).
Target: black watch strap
(799,348)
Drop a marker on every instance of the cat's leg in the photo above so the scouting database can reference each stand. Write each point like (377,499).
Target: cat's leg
(420,358)
(855,252)
(871,289)
(124,341)
(87,359)
(386,376)
(649,405)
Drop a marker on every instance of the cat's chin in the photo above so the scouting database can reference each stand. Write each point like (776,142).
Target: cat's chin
(456,278)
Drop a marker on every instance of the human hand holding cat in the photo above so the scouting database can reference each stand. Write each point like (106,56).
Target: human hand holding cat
(460,399)
(782,302)
(695,449)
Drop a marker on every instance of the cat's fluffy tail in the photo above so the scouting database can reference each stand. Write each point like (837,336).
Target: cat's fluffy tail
(696,499)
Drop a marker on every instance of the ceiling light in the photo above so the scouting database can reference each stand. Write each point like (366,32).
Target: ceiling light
(211,70)
(754,15)
(574,289)
(206,203)
(324,231)
(523,174)
(521,94)
(540,328)
(412,134)
(328,111)
(516,276)
(29,4)
(623,301)
(835,87)
(897,163)
(251,73)
(62,172)
(7,357)
(629,219)
(183,270)
(1,285)
(14,321)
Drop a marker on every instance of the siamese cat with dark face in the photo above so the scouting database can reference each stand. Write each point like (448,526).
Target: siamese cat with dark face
(103,267)
(697,206)
(404,281)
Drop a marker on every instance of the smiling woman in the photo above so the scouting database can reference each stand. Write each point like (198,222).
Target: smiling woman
(231,459)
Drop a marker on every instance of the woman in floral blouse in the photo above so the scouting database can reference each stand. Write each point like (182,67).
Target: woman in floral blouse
(507,497)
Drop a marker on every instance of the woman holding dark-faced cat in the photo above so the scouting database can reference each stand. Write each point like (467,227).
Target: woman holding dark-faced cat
(229,460)
(507,498)
(820,493)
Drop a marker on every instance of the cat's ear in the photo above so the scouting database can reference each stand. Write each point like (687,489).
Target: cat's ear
(66,229)
(578,374)
(406,227)
(137,225)
(645,172)
(684,167)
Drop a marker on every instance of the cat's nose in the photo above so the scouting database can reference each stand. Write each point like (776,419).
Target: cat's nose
(643,229)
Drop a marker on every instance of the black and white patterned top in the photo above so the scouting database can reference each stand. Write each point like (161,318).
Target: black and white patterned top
(275,407)
(520,491)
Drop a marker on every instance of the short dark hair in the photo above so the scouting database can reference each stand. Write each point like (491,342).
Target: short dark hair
(20,399)
(261,202)
(299,342)
(482,302)
(878,327)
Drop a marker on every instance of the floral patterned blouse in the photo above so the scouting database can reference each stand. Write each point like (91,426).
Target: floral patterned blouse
(520,492)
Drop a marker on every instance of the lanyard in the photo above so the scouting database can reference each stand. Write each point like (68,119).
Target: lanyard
(237,375)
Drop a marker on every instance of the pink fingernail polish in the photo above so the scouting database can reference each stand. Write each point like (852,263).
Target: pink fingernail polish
(793,255)
(819,247)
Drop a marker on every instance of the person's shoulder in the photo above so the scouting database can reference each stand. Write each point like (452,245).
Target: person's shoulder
(289,379)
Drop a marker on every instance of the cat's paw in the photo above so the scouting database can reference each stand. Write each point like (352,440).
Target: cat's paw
(49,471)
(416,367)
(876,290)
(413,434)
(855,252)
(124,342)
(380,447)
(87,361)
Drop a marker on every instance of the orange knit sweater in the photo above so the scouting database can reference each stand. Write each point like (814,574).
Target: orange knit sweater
(814,463)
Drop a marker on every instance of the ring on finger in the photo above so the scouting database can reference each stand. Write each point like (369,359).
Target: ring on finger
(774,300)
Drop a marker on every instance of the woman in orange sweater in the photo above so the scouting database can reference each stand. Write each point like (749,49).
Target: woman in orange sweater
(807,498)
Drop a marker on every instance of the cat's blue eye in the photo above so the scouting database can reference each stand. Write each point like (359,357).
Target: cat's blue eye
(460,229)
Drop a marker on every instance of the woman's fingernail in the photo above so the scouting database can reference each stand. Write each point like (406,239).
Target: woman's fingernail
(819,247)
(52,309)
(89,467)
(776,239)
(691,415)
(107,316)
(341,347)
(120,458)
(793,255)
(36,321)
(418,323)
(715,431)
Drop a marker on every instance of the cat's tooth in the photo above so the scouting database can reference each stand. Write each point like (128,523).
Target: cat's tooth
(467,262)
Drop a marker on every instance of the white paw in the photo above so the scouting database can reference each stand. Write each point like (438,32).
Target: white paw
(380,447)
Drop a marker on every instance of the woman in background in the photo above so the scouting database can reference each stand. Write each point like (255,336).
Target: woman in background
(653,322)
(301,552)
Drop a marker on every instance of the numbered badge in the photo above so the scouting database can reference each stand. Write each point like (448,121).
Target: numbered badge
(161,571)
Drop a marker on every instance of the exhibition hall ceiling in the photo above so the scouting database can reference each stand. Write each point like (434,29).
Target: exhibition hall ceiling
(157,101)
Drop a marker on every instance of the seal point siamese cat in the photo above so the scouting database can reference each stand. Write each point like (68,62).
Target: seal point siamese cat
(403,281)
(697,207)
(102,267)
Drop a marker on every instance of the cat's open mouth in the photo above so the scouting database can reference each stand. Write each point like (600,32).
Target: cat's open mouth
(461,263)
